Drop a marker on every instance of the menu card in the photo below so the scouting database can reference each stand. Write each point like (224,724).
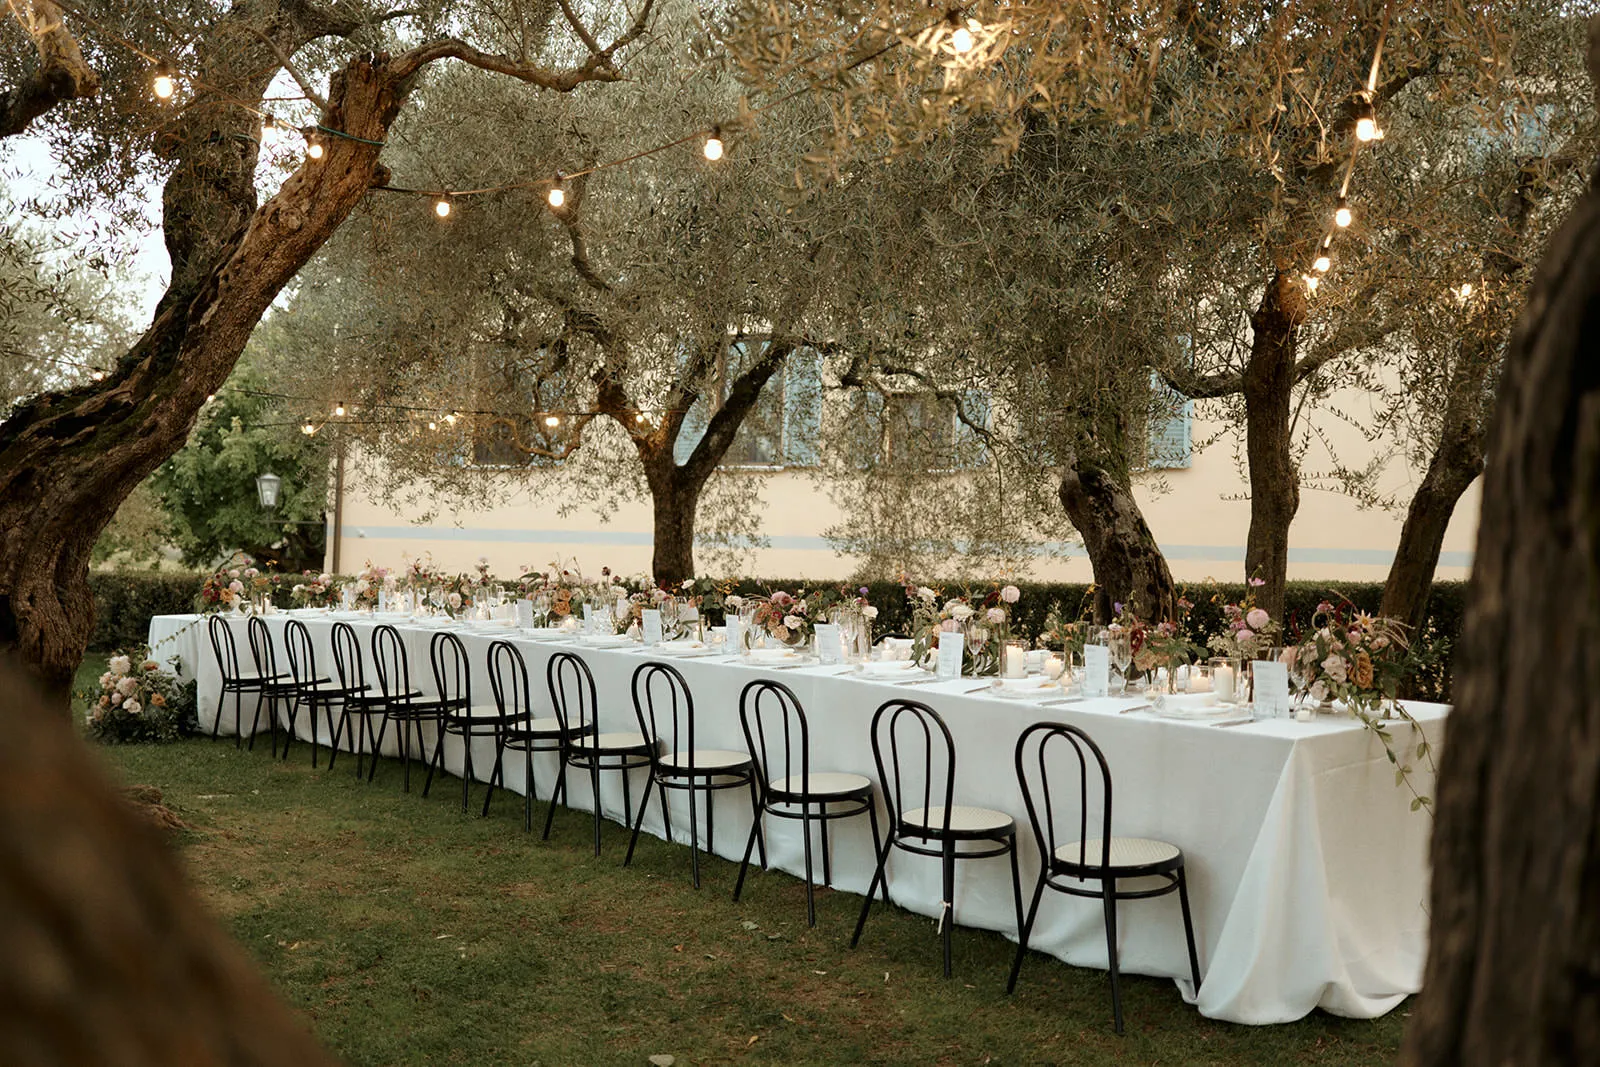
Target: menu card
(1096,670)
(1271,688)
(951,647)
(735,633)
(588,619)
(525,613)
(650,624)
(828,643)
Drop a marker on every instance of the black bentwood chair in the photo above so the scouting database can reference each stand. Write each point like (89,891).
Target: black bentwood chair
(779,738)
(239,681)
(402,702)
(665,709)
(1085,867)
(508,677)
(572,695)
(280,683)
(364,702)
(452,679)
(922,757)
(312,690)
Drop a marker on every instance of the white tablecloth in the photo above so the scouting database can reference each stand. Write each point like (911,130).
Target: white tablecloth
(1307,870)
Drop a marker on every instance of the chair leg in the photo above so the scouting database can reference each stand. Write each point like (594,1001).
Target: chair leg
(1188,929)
(313,735)
(755,809)
(337,729)
(255,723)
(405,753)
(694,834)
(644,803)
(878,873)
(436,764)
(556,793)
(1109,896)
(877,846)
(594,789)
(496,776)
(377,745)
(811,889)
(216,724)
(749,847)
(1026,931)
(466,766)
(947,917)
(666,812)
(238,719)
(827,849)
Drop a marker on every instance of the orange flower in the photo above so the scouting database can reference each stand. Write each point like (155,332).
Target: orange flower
(158,701)
(1363,671)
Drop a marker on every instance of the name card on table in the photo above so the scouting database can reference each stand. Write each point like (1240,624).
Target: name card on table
(829,649)
(951,647)
(1271,688)
(588,618)
(650,624)
(1096,670)
(735,633)
(383,600)
(525,613)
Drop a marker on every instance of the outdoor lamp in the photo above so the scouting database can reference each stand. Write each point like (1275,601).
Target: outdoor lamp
(267,486)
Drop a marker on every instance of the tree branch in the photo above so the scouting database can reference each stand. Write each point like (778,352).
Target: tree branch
(597,68)
(743,395)
(62,73)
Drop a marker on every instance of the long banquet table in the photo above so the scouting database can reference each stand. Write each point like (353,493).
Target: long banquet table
(1307,870)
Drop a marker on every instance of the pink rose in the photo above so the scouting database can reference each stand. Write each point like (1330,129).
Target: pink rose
(236,586)
(1010,594)
(1335,668)
(996,615)
(1244,634)
(1258,618)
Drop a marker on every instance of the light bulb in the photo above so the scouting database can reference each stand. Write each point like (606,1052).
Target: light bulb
(1322,264)
(638,416)
(713,148)
(98,375)
(1465,290)
(1342,217)
(552,421)
(441,207)
(558,196)
(314,149)
(451,419)
(308,429)
(432,425)
(210,397)
(338,409)
(1311,282)
(961,40)
(1367,129)
(269,131)
(163,84)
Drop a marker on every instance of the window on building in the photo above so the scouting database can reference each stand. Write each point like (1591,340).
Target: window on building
(783,428)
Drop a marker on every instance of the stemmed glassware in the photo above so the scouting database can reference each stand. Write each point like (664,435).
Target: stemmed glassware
(670,609)
(1121,646)
(541,607)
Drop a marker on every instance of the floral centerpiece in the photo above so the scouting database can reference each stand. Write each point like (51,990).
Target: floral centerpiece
(790,619)
(368,583)
(1071,634)
(1248,629)
(135,700)
(319,591)
(1163,645)
(1350,657)
(229,586)
(984,620)
(423,575)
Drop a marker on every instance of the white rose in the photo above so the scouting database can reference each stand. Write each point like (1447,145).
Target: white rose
(927,594)
(132,707)
(324,578)
(454,600)
(116,699)
(105,680)
(236,586)
(688,583)
(959,611)
(793,622)
(127,685)
(869,612)
(734,602)
(361,586)
(119,664)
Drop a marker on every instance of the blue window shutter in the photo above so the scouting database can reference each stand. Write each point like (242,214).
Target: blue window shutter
(1170,417)
(970,447)
(802,408)
(693,428)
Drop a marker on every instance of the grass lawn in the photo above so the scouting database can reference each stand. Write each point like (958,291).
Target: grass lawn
(410,934)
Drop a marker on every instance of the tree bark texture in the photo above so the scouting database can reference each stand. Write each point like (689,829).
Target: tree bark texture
(1513,973)
(1128,565)
(68,460)
(110,957)
(61,75)
(1268,384)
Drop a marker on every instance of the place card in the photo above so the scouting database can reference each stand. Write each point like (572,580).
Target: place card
(1096,670)
(650,624)
(735,633)
(588,619)
(829,647)
(383,600)
(1271,692)
(951,647)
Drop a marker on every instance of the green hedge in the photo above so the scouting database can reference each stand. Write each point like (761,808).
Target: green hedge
(125,601)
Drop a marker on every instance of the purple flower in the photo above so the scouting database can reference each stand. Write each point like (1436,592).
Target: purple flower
(863,590)
(1258,582)
(1116,607)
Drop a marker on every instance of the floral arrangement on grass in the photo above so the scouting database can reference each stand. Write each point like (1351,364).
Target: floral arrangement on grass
(1350,657)
(984,619)
(1249,628)
(138,701)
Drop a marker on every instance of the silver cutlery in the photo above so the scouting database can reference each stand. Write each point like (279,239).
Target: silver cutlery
(980,689)
(922,681)
(1060,700)
(1136,707)
(1234,722)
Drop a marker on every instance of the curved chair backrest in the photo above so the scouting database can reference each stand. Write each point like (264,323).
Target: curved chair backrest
(665,709)
(224,647)
(572,694)
(921,755)
(452,673)
(261,647)
(390,662)
(302,656)
(347,658)
(1042,743)
(508,677)
(775,732)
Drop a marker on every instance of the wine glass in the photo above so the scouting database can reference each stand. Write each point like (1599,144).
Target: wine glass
(1121,645)
(541,607)
(436,598)
(670,609)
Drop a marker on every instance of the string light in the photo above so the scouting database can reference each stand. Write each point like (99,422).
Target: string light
(1465,292)
(308,429)
(450,418)
(961,38)
(1312,281)
(338,409)
(271,130)
(441,207)
(162,82)
(713,146)
(557,195)
(552,421)
(1323,262)
(1367,129)
(432,425)
(1341,215)
(638,416)
(210,397)
(314,147)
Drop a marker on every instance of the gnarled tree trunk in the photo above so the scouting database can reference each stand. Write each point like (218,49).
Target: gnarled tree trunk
(1513,972)
(1268,386)
(673,500)
(1128,565)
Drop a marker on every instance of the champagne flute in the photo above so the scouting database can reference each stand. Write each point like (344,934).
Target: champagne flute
(1121,646)
(541,607)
